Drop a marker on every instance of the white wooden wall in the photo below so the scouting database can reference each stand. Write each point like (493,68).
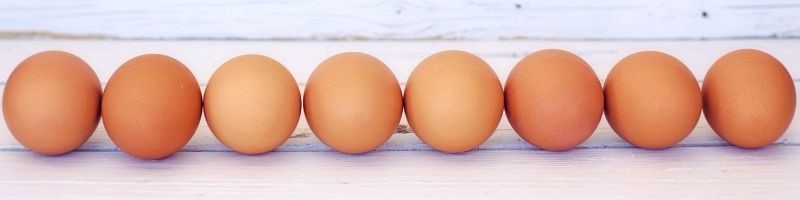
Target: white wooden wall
(401,19)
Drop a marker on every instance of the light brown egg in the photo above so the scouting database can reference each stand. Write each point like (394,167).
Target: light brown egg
(151,106)
(51,102)
(652,100)
(353,102)
(252,104)
(554,100)
(453,101)
(749,98)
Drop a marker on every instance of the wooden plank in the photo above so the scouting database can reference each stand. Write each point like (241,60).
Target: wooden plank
(401,19)
(626,173)
(301,57)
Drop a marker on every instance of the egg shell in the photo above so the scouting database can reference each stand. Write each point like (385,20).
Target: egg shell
(353,102)
(151,106)
(252,104)
(453,101)
(554,100)
(51,102)
(652,100)
(749,98)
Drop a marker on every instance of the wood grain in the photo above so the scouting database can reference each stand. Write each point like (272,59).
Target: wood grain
(401,20)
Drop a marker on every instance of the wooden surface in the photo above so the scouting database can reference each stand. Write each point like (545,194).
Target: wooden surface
(401,19)
(614,173)
(700,167)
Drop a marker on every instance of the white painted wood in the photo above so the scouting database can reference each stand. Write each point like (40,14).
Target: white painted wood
(301,57)
(610,173)
(401,19)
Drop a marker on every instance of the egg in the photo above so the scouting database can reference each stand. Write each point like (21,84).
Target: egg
(151,106)
(51,102)
(652,100)
(553,99)
(252,104)
(453,101)
(353,102)
(749,98)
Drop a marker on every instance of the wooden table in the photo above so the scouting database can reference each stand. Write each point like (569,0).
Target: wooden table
(505,167)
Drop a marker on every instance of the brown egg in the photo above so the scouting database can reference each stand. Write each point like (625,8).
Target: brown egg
(554,100)
(51,102)
(353,102)
(749,98)
(252,104)
(454,101)
(652,100)
(151,106)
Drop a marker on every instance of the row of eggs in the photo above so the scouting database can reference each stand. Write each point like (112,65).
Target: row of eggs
(353,103)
